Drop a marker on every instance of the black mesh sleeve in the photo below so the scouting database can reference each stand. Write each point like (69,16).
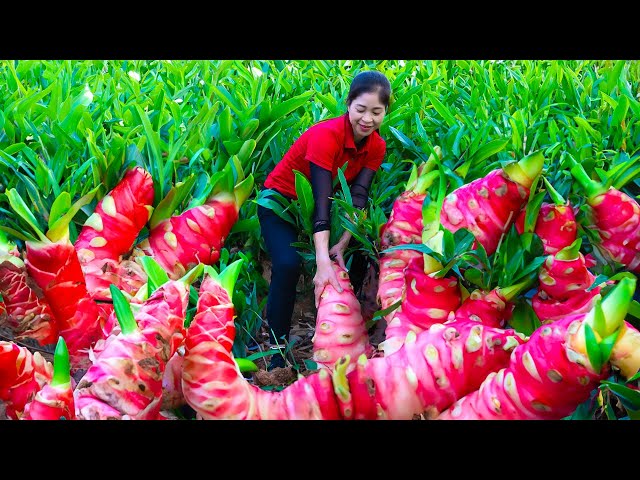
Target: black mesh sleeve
(360,187)
(322,189)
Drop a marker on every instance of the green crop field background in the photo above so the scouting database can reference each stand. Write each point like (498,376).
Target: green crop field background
(77,126)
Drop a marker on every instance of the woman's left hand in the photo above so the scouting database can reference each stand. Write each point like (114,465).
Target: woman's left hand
(336,254)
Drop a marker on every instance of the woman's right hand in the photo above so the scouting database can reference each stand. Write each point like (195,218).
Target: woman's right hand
(325,274)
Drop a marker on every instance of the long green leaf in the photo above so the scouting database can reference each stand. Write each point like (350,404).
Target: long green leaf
(288,106)
(305,197)
(488,149)
(156,275)
(123,311)
(593,350)
(18,205)
(443,110)
(167,206)
(60,226)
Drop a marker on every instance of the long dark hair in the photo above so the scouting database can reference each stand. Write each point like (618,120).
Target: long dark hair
(370,81)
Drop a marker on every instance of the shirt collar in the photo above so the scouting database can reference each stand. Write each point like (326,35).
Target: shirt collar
(349,141)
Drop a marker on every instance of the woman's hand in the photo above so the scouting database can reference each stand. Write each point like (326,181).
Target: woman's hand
(336,253)
(325,274)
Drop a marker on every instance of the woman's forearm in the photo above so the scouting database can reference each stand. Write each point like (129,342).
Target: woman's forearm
(345,238)
(321,242)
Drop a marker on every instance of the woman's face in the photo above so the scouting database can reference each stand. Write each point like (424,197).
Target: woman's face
(365,115)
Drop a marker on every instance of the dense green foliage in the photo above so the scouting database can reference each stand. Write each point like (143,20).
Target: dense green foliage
(73,126)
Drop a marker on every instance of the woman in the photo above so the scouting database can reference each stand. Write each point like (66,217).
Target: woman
(352,138)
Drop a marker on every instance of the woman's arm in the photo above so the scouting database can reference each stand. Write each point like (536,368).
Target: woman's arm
(322,189)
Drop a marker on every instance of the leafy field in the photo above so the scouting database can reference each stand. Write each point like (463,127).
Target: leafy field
(70,129)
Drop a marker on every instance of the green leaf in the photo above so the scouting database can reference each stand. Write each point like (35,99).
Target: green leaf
(593,350)
(329,101)
(285,108)
(310,364)
(475,277)
(249,128)
(386,311)
(168,205)
(404,140)
(585,124)
(61,372)
(246,225)
(123,311)
(60,228)
(634,378)
(246,150)
(599,322)
(228,99)
(614,75)
(60,206)
(487,150)
(225,123)
(463,240)
(233,146)
(345,187)
(154,144)
(305,198)
(620,112)
(16,233)
(442,110)
(585,411)
(532,211)
(246,365)
(419,247)
(18,205)
(156,275)
(532,266)
(524,318)
(607,344)
(277,208)
(629,397)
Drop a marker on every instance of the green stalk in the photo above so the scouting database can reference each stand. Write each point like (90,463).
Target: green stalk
(553,193)
(222,181)
(614,307)
(228,277)
(509,293)
(20,207)
(526,170)
(570,252)
(431,234)
(413,178)
(192,275)
(61,375)
(592,187)
(425,181)
(430,219)
(246,365)
(243,190)
(432,161)
(156,275)
(59,228)
(123,311)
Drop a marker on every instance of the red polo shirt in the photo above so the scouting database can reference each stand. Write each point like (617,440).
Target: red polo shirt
(329,144)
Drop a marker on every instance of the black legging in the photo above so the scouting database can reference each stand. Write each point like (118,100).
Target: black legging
(286,265)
